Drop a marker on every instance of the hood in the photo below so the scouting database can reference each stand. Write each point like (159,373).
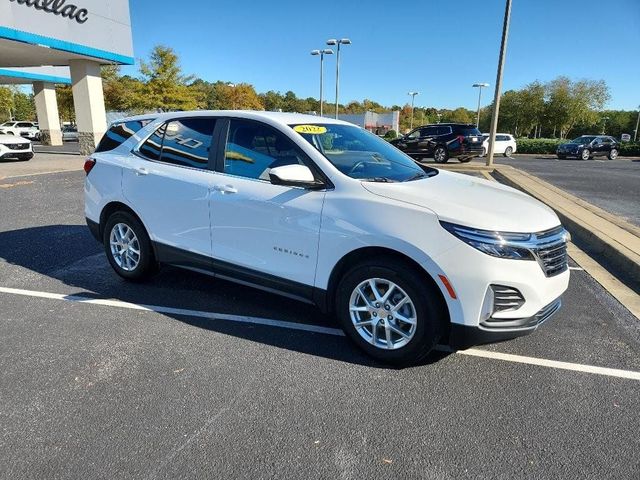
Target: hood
(13,139)
(473,202)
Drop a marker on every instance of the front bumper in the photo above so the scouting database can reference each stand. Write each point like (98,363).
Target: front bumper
(19,154)
(465,336)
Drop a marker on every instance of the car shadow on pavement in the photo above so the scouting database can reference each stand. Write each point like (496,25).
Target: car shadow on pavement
(68,254)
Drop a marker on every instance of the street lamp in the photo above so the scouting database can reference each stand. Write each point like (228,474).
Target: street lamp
(496,95)
(479,86)
(322,53)
(342,41)
(635,132)
(413,97)
(604,124)
(439,115)
(233,95)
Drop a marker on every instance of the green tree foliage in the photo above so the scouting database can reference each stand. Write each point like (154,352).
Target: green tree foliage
(66,109)
(24,107)
(165,87)
(6,103)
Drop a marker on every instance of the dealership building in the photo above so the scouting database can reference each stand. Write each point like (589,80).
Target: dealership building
(49,42)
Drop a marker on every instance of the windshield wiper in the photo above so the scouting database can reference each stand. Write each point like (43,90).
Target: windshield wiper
(417,176)
(377,179)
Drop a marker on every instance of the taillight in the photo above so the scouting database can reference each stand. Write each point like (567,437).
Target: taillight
(89,163)
(461,139)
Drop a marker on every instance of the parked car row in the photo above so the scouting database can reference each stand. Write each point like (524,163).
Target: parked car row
(21,129)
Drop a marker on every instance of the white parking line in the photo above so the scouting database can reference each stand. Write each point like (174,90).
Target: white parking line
(577,268)
(474,352)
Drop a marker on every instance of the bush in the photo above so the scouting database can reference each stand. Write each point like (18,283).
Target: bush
(630,149)
(390,135)
(538,145)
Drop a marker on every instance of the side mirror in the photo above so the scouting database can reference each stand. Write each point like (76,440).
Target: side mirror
(294,176)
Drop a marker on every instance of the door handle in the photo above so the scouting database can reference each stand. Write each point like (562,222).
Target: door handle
(225,189)
(141,171)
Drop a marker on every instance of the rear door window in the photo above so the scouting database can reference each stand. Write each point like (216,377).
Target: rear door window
(119,133)
(469,131)
(152,146)
(429,131)
(187,142)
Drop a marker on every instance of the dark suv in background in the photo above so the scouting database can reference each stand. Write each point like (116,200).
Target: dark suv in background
(589,146)
(442,141)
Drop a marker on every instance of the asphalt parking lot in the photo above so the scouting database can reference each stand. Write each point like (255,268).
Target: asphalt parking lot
(188,376)
(613,185)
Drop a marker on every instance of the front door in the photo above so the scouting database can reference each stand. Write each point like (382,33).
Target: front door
(169,181)
(261,231)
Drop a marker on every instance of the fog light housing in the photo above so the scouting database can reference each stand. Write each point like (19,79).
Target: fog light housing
(500,298)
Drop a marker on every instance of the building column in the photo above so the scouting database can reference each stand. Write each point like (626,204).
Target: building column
(47,112)
(88,102)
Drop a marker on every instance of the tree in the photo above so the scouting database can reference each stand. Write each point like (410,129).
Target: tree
(24,107)
(570,103)
(66,109)
(122,93)
(165,87)
(6,103)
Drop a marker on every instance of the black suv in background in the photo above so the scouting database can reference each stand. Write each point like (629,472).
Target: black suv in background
(442,141)
(589,146)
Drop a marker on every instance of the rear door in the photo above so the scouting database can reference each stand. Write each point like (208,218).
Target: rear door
(168,180)
(427,140)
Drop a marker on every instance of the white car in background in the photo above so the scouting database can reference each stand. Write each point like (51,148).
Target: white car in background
(21,129)
(69,133)
(505,144)
(322,211)
(12,146)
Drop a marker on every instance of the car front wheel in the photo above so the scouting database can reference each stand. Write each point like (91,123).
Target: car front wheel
(613,154)
(128,247)
(508,152)
(389,311)
(441,155)
(585,154)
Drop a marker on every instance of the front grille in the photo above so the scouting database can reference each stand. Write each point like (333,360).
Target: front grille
(17,146)
(506,298)
(551,251)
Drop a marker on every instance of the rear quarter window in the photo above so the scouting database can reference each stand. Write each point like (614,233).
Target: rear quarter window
(119,133)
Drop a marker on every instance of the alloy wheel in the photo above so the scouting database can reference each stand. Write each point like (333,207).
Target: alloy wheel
(383,314)
(585,154)
(124,247)
(613,154)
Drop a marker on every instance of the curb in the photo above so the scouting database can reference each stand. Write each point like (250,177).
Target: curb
(598,233)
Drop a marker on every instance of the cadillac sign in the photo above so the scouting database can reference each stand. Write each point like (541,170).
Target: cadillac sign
(57,7)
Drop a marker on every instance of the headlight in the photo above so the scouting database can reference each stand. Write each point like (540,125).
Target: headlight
(496,244)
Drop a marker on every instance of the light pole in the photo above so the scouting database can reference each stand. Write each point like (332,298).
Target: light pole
(413,96)
(496,96)
(479,86)
(341,41)
(439,115)
(635,132)
(604,124)
(322,53)
(232,86)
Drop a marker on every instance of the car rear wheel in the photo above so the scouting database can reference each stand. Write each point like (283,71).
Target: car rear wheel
(613,154)
(441,155)
(586,154)
(508,152)
(128,247)
(388,310)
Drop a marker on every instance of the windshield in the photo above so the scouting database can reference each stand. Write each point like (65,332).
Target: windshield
(361,154)
(583,139)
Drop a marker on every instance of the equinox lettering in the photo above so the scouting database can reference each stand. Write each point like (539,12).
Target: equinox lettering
(57,7)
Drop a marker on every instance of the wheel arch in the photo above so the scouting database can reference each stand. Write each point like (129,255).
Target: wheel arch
(116,206)
(355,256)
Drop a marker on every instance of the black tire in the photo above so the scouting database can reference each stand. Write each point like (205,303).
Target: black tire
(585,154)
(147,264)
(431,318)
(464,159)
(562,157)
(441,154)
(613,154)
(508,152)
(28,157)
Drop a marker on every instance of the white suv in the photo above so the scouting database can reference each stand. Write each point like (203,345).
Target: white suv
(323,211)
(20,129)
(505,144)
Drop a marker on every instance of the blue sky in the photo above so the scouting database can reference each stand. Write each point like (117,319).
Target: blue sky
(437,47)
